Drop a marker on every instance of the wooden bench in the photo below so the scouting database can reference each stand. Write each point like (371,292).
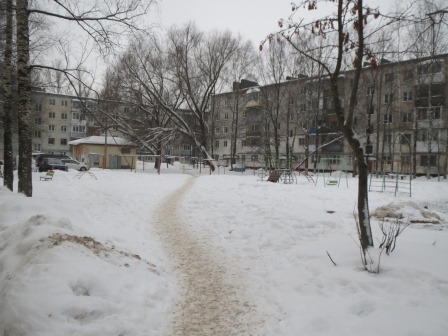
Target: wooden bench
(48,176)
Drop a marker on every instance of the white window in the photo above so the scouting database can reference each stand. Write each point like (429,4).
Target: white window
(216,130)
(64,129)
(226,116)
(408,117)
(370,90)
(37,134)
(216,143)
(52,102)
(51,127)
(407,96)
(64,116)
(64,103)
(225,130)
(388,98)
(52,115)
(225,143)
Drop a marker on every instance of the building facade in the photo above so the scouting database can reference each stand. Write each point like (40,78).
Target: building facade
(59,119)
(399,118)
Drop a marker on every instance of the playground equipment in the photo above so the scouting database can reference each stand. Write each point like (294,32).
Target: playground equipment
(326,165)
(394,182)
(287,176)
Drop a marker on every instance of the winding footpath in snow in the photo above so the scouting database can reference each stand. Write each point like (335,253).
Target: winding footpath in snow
(213,300)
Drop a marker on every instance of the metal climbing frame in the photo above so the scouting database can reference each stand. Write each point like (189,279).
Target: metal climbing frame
(396,183)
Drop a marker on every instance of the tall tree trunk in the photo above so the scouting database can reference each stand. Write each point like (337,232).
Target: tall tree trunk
(8,176)
(24,93)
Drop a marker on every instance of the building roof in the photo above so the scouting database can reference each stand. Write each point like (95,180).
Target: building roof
(100,140)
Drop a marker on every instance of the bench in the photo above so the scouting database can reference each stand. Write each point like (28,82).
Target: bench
(48,176)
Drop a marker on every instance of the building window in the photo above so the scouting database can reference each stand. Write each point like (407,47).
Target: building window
(388,118)
(64,142)
(125,150)
(78,129)
(422,135)
(369,149)
(37,121)
(225,143)
(51,127)
(51,141)
(52,102)
(243,142)
(407,96)
(424,160)
(370,109)
(254,128)
(226,116)
(38,107)
(225,130)
(388,98)
(291,100)
(64,103)
(217,103)
(302,107)
(405,139)
(63,128)
(64,116)
(387,138)
(301,141)
(389,77)
(75,116)
(426,113)
(370,90)
(226,102)
(52,115)
(291,133)
(408,75)
(216,130)
(216,143)
(37,147)
(408,117)
(37,134)
(217,116)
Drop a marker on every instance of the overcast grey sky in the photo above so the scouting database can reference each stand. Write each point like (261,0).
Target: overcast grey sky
(253,19)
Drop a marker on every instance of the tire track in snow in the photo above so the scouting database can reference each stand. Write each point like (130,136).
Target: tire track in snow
(213,302)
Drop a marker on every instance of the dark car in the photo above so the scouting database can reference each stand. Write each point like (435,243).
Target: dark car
(52,164)
(42,165)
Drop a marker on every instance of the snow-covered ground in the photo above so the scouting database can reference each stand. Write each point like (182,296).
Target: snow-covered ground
(83,257)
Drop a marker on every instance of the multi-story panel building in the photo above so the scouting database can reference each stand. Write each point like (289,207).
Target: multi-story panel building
(59,119)
(399,118)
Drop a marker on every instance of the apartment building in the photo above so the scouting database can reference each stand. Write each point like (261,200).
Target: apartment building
(400,119)
(59,119)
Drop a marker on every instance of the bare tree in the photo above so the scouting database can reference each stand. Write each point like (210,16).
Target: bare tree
(103,22)
(8,177)
(349,21)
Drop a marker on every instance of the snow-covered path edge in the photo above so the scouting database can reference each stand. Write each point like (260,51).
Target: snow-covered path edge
(213,301)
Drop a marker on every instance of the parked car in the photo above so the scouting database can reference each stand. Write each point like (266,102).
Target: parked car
(74,164)
(40,160)
(52,164)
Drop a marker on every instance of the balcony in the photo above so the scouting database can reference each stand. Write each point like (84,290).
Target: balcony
(77,135)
